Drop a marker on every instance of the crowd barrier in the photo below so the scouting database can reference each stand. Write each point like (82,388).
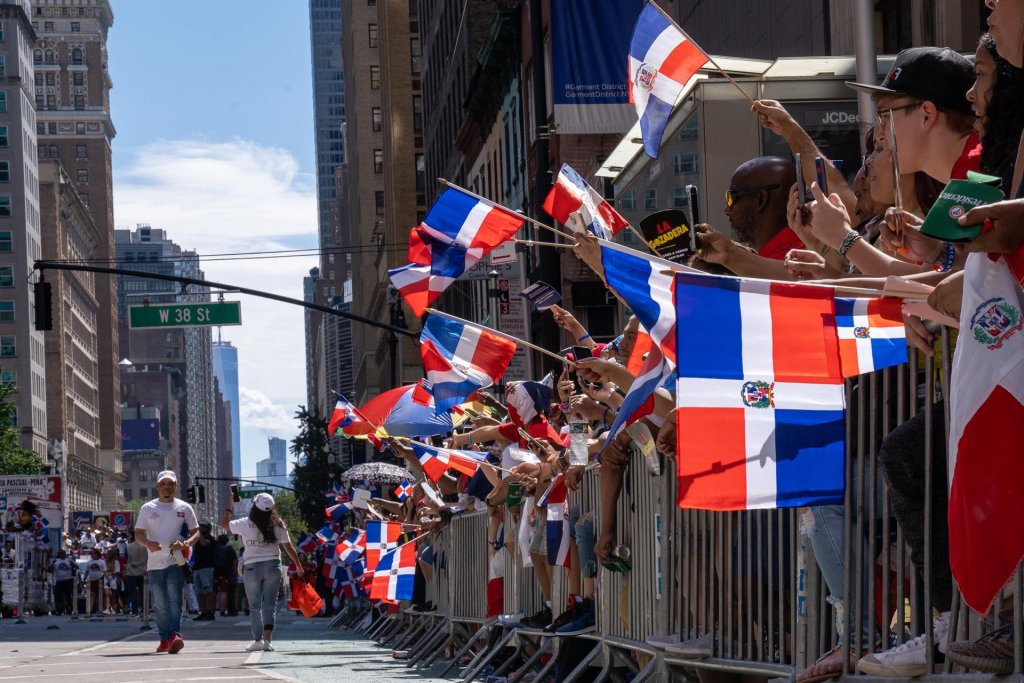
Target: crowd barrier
(749,580)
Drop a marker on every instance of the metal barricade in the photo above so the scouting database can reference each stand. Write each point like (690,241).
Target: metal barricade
(467,577)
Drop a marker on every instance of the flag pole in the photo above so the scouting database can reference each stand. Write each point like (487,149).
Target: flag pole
(710,58)
(479,462)
(865,291)
(532,243)
(500,334)
(505,209)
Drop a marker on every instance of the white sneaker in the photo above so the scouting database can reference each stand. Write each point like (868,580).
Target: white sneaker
(909,659)
(661,642)
(267,647)
(255,646)
(512,619)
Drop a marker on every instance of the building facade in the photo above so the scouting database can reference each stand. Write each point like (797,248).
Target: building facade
(225,368)
(274,469)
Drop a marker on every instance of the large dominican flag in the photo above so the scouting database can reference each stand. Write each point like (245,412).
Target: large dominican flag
(572,193)
(871,334)
(986,538)
(662,58)
(394,576)
(760,400)
(381,537)
(436,460)
(460,358)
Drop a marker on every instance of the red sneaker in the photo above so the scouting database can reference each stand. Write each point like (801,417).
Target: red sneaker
(163,646)
(175,644)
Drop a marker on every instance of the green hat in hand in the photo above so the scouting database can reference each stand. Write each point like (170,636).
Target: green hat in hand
(957,198)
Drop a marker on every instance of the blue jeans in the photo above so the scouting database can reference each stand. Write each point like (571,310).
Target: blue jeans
(133,584)
(166,586)
(583,532)
(262,584)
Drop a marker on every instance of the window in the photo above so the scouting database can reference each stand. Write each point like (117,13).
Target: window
(6,240)
(627,201)
(78,78)
(76,27)
(6,276)
(37,56)
(49,55)
(378,119)
(80,128)
(651,198)
(691,130)
(685,164)
(373,35)
(3,136)
(51,78)
(79,101)
(378,161)
(3,100)
(83,175)
(9,376)
(8,347)
(679,198)
(47,25)
(1,31)
(417,113)
(51,101)
(51,128)
(5,171)
(3,67)
(76,56)
(374,78)
(5,205)
(6,311)
(378,198)
(81,152)
(415,52)
(39,102)
(39,78)
(54,154)
(421,174)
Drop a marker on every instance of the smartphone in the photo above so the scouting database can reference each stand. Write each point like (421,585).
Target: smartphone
(235,497)
(819,170)
(801,187)
(513,498)
(532,441)
(472,413)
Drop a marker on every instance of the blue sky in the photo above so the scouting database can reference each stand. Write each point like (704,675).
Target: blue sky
(212,102)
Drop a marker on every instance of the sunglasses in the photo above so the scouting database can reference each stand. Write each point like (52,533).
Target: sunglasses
(732,195)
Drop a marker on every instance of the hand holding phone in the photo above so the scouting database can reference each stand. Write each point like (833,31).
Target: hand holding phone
(235,497)
(819,170)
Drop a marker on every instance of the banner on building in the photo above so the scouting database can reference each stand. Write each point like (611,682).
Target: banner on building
(121,520)
(81,520)
(45,493)
(140,435)
(589,42)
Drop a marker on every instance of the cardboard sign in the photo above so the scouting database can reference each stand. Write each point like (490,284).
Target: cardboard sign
(669,234)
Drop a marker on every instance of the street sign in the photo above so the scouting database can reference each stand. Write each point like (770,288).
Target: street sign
(185,315)
(251,492)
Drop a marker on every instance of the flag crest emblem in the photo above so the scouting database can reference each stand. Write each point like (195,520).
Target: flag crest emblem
(995,321)
(645,75)
(861,333)
(758,394)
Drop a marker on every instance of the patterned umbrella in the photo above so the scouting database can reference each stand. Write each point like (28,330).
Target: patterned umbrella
(378,473)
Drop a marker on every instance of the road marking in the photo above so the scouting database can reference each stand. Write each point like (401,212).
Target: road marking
(277,676)
(43,674)
(253,658)
(93,648)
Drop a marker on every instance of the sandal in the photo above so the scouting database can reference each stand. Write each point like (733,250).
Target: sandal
(835,659)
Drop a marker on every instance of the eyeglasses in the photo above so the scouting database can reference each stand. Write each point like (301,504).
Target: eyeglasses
(732,195)
(884,114)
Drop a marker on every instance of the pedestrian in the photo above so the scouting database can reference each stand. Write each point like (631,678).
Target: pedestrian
(225,576)
(203,562)
(135,574)
(64,570)
(159,528)
(94,573)
(261,533)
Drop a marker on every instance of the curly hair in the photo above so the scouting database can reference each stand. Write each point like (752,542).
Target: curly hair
(1002,122)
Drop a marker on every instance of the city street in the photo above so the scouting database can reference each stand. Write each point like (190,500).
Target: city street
(214,651)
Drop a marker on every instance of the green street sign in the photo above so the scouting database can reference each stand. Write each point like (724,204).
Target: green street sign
(251,493)
(185,315)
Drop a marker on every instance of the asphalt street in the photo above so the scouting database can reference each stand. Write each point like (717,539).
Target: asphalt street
(118,651)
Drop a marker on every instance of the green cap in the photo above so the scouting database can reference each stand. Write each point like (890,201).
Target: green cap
(957,198)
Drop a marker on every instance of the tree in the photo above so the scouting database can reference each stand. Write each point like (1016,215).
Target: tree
(288,509)
(13,458)
(313,468)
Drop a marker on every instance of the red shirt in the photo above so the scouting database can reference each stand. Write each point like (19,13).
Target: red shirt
(970,158)
(539,429)
(779,245)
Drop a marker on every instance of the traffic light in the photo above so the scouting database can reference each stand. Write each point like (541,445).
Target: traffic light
(201,493)
(190,494)
(44,305)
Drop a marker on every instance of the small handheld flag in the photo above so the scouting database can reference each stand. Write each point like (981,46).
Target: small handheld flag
(404,490)
(871,334)
(436,461)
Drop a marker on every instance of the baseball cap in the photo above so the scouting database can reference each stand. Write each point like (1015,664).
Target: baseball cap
(936,74)
(264,501)
(167,474)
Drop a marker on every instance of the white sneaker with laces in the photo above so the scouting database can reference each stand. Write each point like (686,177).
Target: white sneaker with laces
(255,646)
(267,647)
(909,659)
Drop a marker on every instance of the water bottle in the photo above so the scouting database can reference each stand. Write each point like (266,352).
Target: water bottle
(578,454)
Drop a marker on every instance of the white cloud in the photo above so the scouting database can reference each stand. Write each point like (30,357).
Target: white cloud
(227,197)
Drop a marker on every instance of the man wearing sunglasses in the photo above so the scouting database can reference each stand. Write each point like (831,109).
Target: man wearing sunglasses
(755,204)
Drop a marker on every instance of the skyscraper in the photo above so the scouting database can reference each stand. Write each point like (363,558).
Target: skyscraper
(225,367)
(328,102)
(274,470)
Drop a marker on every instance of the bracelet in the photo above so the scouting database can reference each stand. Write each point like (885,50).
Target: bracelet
(584,337)
(848,241)
(947,262)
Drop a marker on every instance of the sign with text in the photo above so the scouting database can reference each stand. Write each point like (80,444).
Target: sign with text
(185,315)
(668,234)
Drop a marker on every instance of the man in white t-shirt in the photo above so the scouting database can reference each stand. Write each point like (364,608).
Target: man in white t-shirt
(161,530)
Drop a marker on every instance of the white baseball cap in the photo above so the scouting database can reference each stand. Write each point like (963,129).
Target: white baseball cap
(264,501)
(167,474)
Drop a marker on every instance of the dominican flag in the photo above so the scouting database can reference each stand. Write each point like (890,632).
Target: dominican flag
(306,543)
(349,587)
(555,498)
(337,494)
(39,523)
(572,193)
(352,546)
(327,533)
(381,538)
(639,401)
(328,569)
(457,232)
(404,490)
(760,402)
(642,283)
(347,419)
(336,513)
(394,576)
(436,460)
(871,334)
(662,58)
(460,359)
(986,538)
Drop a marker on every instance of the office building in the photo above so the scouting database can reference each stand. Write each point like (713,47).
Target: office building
(274,469)
(225,368)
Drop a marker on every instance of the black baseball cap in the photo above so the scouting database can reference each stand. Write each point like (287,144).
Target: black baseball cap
(936,74)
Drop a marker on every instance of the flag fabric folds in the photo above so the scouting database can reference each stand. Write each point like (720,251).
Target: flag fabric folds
(555,498)
(460,359)
(662,58)
(352,546)
(328,569)
(335,513)
(394,576)
(986,539)
(346,418)
(404,490)
(381,537)
(436,460)
(327,533)
(572,193)
(871,334)
(760,402)
(337,494)
(643,283)
(639,400)
(306,543)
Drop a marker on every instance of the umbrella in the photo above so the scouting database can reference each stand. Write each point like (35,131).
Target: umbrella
(396,412)
(378,473)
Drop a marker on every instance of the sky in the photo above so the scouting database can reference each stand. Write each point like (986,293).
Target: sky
(213,107)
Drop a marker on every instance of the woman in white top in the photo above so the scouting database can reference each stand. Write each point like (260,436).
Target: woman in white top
(262,531)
